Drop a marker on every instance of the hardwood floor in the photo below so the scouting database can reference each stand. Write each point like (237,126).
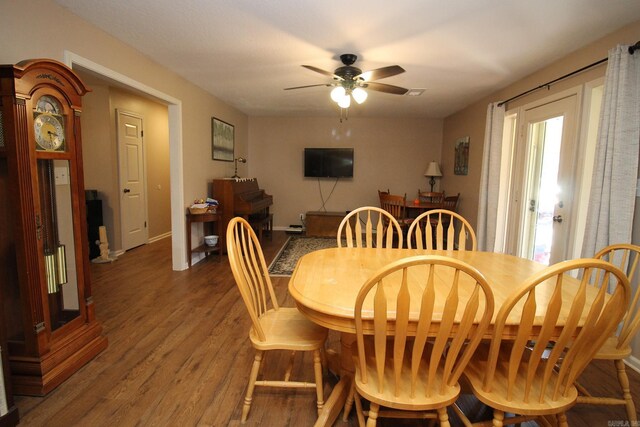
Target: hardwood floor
(179,354)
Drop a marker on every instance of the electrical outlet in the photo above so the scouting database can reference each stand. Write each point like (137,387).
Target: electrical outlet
(301,217)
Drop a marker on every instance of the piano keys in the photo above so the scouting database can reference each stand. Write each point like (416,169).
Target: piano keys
(243,198)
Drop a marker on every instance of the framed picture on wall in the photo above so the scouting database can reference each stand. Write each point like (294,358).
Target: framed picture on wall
(222,140)
(461,161)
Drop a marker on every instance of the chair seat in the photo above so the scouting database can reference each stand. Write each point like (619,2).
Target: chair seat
(403,401)
(610,350)
(497,397)
(288,329)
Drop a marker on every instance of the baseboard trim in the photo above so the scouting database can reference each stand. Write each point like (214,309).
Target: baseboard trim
(633,362)
(160,237)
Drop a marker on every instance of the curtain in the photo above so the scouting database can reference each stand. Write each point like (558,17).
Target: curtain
(490,178)
(613,186)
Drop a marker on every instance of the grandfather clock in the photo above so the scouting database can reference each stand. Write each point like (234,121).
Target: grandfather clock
(48,315)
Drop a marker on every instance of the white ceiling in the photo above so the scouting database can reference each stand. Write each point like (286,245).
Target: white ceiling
(245,52)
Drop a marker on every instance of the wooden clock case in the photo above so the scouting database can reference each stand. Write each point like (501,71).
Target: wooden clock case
(48,318)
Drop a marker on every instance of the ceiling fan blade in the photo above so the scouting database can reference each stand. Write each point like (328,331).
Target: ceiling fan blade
(321,71)
(381,73)
(381,87)
(302,87)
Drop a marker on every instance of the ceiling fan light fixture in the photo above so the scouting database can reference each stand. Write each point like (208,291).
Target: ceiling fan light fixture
(359,95)
(345,101)
(338,93)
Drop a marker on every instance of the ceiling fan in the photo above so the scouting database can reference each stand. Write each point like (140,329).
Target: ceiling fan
(350,81)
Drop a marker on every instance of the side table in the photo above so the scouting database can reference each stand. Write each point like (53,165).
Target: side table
(209,217)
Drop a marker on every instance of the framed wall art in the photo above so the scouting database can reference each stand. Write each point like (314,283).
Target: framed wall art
(461,161)
(222,140)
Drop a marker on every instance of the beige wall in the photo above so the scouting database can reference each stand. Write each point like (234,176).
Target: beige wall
(100,155)
(471,121)
(389,153)
(43,17)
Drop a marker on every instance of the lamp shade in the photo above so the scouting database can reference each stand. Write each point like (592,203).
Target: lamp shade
(337,93)
(345,101)
(433,169)
(359,95)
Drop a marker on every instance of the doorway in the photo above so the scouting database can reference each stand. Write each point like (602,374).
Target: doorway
(178,221)
(546,153)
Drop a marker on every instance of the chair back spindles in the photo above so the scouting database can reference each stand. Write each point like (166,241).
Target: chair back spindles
(380,229)
(443,223)
(626,256)
(250,271)
(436,357)
(552,365)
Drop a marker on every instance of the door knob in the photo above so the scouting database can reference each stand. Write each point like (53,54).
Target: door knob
(557,218)
(126,190)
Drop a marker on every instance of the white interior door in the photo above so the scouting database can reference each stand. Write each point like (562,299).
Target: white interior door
(133,200)
(547,180)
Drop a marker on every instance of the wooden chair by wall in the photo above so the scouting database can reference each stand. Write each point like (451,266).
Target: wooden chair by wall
(417,373)
(514,376)
(618,346)
(441,229)
(451,202)
(434,197)
(272,327)
(357,228)
(396,206)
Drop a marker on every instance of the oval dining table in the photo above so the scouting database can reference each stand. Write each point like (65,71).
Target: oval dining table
(325,284)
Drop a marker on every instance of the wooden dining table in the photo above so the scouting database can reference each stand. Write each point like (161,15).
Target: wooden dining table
(325,284)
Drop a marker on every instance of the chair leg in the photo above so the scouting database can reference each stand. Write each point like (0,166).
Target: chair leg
(562,420)
(498,418)
(257,361)
(373,415)
(623,379)
(317,367)
(443,417)
(359,412)
(349,402)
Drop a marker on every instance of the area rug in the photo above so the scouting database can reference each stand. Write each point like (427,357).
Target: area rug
(297,246)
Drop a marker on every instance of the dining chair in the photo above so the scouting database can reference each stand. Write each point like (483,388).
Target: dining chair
(433,197)
(618,346)
(272,327)
(369,227)
(441,229)
(532,373)
(451,202)
(404,362)
(397,206)
(384,192)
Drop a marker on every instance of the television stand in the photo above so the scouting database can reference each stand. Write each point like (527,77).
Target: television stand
(323,224)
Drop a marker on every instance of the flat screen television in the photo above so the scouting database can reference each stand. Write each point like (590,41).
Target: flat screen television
(328,162)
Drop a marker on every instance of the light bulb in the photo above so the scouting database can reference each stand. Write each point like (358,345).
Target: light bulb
(345,101)
(359,95)
(337,93)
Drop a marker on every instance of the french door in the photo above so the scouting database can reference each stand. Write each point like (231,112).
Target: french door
(545,182)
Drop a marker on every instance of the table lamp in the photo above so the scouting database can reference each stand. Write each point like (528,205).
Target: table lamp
(236,160)
(433,170)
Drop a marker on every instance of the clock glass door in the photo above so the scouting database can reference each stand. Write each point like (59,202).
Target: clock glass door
(57,235)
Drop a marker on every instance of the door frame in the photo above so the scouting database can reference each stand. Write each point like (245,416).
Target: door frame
(176,169)
(120,146)
(520,150)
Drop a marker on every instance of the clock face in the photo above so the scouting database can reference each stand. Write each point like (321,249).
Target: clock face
(49,132)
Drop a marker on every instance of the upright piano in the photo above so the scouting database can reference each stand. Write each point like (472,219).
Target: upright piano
(241,197)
